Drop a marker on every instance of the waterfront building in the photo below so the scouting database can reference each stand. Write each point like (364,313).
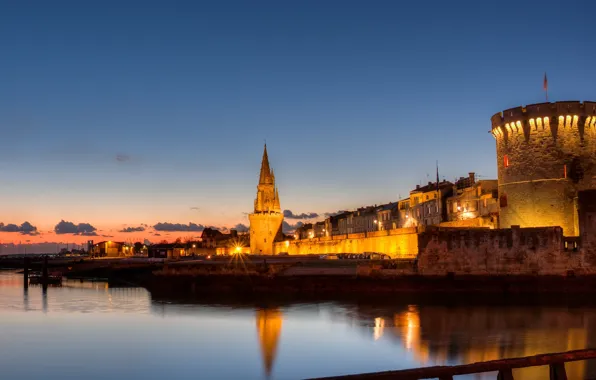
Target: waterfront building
(473,204)
(428,204)
(342,223)
(387,216)
(404,214)
(305,231)
(336,224)
(545,159)
(267,218)
(364,220)
(111,249)
(166,251)
(319,229)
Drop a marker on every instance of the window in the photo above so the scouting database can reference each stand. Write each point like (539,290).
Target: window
(503,200)
(484,202)
(564,171)
(506,161)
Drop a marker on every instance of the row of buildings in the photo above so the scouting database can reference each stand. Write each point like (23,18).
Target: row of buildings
(210,239)
(465,203)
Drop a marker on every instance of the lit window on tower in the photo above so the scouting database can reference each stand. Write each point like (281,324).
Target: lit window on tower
(506,161)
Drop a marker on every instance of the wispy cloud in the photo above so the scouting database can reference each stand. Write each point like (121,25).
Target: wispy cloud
(287,227)
(132,229)
(177,227)
(240,227)
(290,215)
(122,157)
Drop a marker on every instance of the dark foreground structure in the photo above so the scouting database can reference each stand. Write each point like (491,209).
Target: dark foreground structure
(555,361)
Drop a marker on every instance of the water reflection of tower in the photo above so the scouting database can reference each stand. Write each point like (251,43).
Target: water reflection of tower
(269,323)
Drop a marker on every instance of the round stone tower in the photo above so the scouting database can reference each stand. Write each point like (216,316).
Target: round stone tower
(546,154)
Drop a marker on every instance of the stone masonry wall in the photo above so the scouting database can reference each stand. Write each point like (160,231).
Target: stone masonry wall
(397,243)
(550,153)
(498,252)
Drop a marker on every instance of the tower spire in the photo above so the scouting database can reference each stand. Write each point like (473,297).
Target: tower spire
(265,177)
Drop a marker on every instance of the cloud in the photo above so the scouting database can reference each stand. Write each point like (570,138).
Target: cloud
(132,229)
(287,227)
(290,215)
(328,214)
(240,227)
(195,208)
(122,157)
(88,234)
(177,227)
(25,229)
(109,236)
(84,229)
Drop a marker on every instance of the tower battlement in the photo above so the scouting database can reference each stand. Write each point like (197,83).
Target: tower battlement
(545,156)
(544,116)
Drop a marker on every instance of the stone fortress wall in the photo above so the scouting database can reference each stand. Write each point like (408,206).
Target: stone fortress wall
(528,251)
(546,153)
(397,243)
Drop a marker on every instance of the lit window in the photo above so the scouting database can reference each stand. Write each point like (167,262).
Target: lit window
(564,171)
(506,161)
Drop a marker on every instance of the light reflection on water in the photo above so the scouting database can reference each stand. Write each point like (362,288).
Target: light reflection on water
(93,331)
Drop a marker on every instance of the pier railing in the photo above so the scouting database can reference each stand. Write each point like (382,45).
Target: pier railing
(504,367)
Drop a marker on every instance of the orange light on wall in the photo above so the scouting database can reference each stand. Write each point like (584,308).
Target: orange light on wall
(506,161)
(564,171)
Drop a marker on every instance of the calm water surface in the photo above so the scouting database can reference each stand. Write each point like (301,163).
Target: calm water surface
(93,331)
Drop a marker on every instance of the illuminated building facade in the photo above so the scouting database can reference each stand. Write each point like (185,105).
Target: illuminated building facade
(427,204)
(546,155)
(474,200)
(266,221)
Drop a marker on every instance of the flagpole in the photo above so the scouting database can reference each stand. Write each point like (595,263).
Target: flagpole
(545,85)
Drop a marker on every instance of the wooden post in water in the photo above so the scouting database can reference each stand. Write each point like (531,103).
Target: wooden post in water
(44,271)
(26,272)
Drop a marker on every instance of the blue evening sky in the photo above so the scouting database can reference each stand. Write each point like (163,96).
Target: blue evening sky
(117,112)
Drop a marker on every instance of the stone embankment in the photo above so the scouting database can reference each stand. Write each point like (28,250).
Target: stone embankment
(308,276)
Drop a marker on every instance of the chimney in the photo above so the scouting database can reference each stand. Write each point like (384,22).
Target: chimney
(417,187)
(472,177)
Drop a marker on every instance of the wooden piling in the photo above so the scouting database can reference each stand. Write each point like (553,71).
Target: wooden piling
(26,272)
(44,272)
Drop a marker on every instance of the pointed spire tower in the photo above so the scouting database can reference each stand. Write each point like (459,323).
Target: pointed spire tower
(266,176)
(267,219)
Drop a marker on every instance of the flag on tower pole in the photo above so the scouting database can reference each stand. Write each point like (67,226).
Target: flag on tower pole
(545,86)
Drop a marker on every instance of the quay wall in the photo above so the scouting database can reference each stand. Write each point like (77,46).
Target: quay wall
(397,243)
(512,251)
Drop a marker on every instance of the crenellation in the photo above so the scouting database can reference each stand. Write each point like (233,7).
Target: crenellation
(540,175)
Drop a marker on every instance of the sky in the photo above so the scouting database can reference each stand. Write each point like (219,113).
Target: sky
(120,116)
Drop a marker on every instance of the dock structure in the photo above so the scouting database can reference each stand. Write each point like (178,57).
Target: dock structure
(504,368)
